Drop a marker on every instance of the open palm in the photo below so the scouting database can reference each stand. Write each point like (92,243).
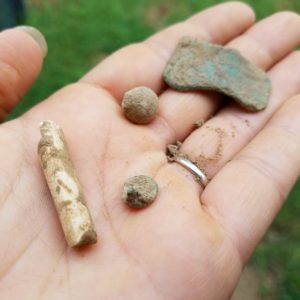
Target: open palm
(190,243)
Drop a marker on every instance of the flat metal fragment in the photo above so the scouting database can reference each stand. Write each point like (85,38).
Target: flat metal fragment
(199,65)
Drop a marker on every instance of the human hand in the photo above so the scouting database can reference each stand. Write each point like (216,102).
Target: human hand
(190,243)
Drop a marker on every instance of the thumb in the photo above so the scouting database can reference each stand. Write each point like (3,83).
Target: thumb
(22,50)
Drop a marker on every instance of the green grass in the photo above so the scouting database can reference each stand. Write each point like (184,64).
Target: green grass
(80,33)
(277,258)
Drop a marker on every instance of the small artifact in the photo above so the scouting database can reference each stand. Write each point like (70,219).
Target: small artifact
(175,155)
(64,186)
(140,105)
(139,191)
(199,65)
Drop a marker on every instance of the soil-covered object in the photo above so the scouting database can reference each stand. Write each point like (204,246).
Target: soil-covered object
(199,65)
(64,185)
(139,191)
(140,105)
(173,151)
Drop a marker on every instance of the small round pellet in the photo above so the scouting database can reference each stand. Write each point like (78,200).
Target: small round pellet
(140,105)
(139,191)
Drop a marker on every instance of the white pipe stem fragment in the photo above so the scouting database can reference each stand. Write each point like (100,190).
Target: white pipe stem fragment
(65,187)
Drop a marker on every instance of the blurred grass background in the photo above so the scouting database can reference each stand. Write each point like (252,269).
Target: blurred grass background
(80,33)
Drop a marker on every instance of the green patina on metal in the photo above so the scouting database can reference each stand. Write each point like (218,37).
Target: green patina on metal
(199,65)
(209,70)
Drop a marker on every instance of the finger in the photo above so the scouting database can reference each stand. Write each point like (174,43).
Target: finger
(261,44)
(21,56)
(248,193)
(142,64)
(218,141)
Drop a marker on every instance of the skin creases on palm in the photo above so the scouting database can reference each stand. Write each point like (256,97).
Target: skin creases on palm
(147,253)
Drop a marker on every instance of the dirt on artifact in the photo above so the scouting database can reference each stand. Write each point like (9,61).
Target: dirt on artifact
(140,105)
(139,191)
(199,65)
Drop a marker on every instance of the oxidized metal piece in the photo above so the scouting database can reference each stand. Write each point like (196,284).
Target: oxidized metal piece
(139,191)
(199,65)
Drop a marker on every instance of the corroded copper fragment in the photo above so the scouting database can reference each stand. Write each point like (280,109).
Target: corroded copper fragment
(199,65)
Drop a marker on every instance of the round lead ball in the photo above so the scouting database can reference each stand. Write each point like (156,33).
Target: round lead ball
(140,105)
(139,191)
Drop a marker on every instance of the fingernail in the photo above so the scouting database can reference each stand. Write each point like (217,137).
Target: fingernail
(37,36)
